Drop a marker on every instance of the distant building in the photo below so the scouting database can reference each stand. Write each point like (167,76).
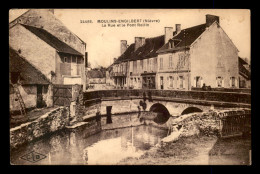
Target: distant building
(96,79)
(109,76)
(182,59)
(136,68)
(34,87)
(48,45)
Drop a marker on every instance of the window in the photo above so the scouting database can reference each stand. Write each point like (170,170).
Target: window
(181,60)
(131,82)
(65,59)
(155,64)
(74,59)
(181,82)
(233,81)
(170,61)
(142,66)
(78,60)
(219,82)
(171,81)
(161,63)
(150,65)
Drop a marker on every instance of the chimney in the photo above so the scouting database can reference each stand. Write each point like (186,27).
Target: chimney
(210,19)
(115,60)
(139,41)
(178,28)
(123,46)
(51,10)
(86,59)
(246,60)
(168,34)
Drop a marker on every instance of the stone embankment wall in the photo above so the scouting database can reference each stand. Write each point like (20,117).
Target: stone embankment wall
(48,123)
(121,121)
(205,123)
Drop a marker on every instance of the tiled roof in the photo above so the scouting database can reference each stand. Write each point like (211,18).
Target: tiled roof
(185,38)
(242,69)
(52,40)
(148,50)
(127,54)
(95,74)
(242,61)
(29,74)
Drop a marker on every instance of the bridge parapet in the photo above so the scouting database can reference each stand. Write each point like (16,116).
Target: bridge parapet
(234,97)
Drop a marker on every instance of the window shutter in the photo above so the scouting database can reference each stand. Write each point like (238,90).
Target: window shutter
(223,85)
(236,82)
(184,83)
(230,81)
(216,82)
(201,81)
(177,84)
(194,82)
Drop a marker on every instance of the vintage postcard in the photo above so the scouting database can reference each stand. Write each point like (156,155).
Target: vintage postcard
(130,86)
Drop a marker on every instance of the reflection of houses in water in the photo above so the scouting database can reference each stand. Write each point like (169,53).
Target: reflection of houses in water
(57,149)
(124,143)
(74,148)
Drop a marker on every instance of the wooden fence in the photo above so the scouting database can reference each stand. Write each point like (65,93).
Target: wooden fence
(62,95)
(235,124)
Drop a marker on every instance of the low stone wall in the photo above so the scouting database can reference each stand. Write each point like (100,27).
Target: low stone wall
(89,128)
(206,123)
(240,90)
(48,123)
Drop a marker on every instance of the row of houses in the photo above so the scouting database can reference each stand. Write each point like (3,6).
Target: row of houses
(43,52)
(181,59)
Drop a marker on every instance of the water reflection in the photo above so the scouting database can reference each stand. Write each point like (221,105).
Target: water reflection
(106,147)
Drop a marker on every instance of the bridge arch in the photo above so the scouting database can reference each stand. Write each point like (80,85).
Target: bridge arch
(162,113)
(191,110)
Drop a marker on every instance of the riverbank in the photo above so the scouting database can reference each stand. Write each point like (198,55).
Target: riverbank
(197,150)
(52,121)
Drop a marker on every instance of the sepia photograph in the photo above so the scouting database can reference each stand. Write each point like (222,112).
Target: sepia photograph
(130,87)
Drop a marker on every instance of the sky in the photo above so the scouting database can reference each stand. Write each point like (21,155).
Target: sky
(103,43)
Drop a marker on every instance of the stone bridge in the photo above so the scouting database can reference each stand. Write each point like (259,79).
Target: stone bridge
(167,102)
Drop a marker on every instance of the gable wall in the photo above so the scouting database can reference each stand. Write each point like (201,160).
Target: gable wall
(36,51)
(214,55)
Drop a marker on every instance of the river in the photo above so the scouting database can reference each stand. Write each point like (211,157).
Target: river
(75,148)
